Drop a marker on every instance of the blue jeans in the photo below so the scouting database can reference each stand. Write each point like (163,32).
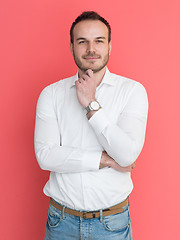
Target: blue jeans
(64,226)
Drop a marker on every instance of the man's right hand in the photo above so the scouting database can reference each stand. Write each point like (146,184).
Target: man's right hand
(107,161)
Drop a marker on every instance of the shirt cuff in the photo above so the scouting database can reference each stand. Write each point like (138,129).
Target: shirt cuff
(99,121)
(92,161)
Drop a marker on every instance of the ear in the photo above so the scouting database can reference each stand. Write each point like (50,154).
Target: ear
(110,47)
(71,47)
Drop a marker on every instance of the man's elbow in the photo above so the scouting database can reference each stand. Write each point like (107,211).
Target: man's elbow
(42,158)
(130,156)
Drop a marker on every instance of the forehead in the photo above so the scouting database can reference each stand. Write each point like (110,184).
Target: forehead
(90,29)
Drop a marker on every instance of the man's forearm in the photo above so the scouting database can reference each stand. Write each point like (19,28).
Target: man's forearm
(107,161)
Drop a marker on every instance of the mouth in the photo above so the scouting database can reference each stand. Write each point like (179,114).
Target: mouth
(91,57)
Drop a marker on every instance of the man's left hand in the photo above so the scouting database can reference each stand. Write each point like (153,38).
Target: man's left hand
(107,161)
(86,88)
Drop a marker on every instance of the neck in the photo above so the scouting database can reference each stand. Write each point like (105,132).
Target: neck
(98,76)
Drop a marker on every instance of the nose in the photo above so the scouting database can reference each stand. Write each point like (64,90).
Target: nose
(90,47)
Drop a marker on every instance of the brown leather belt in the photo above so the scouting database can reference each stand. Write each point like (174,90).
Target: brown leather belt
(92,214)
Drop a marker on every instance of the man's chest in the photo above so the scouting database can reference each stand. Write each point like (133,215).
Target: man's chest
(73,124)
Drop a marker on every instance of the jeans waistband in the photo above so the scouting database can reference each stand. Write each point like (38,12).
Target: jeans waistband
(92,214)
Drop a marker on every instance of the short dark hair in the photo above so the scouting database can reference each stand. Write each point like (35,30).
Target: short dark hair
(89,15)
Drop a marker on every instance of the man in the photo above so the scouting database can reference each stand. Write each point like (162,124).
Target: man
(89,131)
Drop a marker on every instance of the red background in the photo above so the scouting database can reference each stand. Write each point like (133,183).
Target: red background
(35,53)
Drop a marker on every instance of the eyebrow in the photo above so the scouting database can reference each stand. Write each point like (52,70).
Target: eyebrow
(81,38)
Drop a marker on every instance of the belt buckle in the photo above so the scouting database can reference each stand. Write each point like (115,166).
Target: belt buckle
(93,214)
(84,215)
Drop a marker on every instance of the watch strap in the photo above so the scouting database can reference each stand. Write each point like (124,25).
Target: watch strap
(88,108)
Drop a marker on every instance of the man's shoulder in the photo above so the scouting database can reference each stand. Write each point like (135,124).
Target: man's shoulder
(127,85)
(125,82)
(122,79)
(57,86)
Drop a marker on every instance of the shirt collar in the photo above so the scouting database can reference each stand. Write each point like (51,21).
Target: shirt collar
(107,79)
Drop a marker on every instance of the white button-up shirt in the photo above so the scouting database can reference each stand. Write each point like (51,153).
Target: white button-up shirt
(70,146)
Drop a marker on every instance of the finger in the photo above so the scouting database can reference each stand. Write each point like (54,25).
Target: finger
(123,169)
(89,72)
(85,77)
(77,83)
(117,167)
(133,165)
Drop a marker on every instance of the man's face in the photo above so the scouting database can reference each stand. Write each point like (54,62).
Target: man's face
(90,48)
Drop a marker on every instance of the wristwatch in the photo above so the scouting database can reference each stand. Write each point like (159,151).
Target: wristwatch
(93,106)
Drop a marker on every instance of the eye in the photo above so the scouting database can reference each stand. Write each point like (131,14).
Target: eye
(99,41)
(82,42)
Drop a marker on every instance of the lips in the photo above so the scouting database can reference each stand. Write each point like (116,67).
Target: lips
(91,57)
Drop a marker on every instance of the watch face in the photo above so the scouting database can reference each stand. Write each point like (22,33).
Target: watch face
(95,105)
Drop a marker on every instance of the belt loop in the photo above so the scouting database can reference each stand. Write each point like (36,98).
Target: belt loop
(101,215)
(63,212)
